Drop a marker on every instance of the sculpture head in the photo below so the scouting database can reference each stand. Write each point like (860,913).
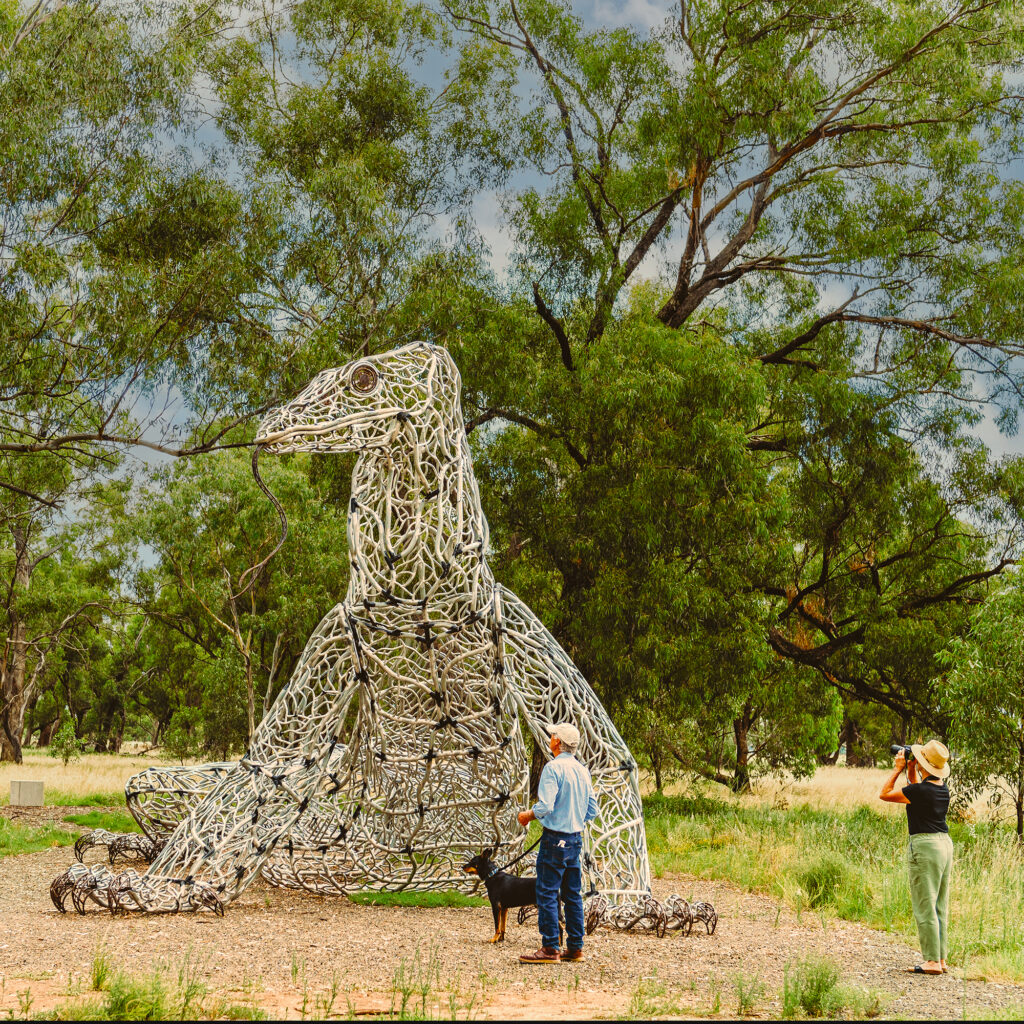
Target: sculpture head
(365,403)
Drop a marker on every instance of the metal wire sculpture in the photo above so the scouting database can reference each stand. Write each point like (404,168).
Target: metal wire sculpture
(395,751)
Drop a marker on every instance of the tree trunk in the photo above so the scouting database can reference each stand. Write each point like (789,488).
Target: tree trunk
(29,728)
(46,731)
(854,744)
(118,738)
(537,763)
(250,701)
(656,764)
(12,691)
(740,729)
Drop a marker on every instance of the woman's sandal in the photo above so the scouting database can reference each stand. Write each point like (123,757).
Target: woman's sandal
(918,969)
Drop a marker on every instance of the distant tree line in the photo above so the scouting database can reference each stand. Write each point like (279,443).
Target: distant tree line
(765,284)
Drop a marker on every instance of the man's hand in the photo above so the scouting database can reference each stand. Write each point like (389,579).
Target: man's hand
(525,817)
(900,763)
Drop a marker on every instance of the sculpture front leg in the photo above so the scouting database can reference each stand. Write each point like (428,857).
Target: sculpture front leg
(216,850)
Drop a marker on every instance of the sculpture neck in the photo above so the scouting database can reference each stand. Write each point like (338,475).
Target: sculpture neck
(416,532)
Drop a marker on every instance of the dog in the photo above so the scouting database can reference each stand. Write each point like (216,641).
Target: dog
(505,891)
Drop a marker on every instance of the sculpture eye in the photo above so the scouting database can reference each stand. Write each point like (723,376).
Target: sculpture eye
(364,379)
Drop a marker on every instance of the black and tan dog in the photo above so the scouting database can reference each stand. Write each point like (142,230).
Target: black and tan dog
(505,891)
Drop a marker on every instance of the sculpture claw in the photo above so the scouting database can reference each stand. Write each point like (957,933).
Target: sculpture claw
(126,846)
(129,891)
(647,913)
(81,883)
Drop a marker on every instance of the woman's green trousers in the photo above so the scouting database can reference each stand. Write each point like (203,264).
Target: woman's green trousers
(930,859)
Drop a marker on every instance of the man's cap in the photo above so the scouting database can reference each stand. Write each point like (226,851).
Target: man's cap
(565,732)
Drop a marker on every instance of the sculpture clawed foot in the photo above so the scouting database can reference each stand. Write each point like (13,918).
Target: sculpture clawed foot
(132,847)
(648,914)
(130,891)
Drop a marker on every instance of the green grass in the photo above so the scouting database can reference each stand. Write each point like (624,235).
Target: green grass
(443,898)
(112,821)
(849,864)
(69,798)
(15,838)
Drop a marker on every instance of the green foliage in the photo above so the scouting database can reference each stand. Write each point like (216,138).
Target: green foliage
(764,281)
(830,881)
(985,702)
(65,744)
(208,523)
(790,854)
(811,988)
(72,798)
(749,992)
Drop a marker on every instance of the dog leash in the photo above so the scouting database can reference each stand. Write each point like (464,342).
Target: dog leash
(529,849)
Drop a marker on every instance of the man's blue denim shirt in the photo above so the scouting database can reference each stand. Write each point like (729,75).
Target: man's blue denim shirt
(565,795)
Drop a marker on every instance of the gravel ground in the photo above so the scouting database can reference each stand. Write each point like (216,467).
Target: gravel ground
(285,947)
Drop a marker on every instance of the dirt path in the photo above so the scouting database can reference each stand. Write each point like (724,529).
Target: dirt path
(283,947)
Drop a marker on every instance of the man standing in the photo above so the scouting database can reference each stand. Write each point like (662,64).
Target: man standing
(565,803)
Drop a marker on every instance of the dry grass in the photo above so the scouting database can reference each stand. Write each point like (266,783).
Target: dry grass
(96,778)
(833,788)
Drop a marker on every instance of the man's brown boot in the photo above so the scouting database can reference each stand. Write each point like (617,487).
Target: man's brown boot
(572,954)
(544,955)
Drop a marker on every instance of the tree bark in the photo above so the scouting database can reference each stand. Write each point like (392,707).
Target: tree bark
(12,691)
(740,729)
(657,759)
(537,763)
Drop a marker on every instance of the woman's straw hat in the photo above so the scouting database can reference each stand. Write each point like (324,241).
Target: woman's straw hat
(933,757)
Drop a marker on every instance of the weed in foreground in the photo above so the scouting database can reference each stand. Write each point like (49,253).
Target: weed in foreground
(811,988)
(418,993)
(163,994)
(650,999)
(748,992)
(99,973)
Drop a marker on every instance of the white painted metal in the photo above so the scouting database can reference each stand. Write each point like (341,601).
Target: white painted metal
(395,752)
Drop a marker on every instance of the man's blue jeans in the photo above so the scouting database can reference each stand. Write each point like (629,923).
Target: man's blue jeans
(558,873)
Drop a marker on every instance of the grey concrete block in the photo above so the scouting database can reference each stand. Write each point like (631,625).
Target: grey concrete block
(26,793)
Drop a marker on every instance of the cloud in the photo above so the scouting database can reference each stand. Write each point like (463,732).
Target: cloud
(645,14)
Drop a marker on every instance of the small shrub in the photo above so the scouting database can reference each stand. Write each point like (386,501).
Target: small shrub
(65,744)
(130,998)
(824,879)
(810,987)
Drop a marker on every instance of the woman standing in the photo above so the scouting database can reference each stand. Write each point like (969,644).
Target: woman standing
(930,854)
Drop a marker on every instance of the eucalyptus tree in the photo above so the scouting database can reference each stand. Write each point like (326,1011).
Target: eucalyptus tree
(208,525)
(829,188)
(985,702)
(174,258)
(118,259)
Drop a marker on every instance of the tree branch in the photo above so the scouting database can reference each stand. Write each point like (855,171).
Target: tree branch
(556,326)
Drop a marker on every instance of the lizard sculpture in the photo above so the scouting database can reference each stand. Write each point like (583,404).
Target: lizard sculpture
(396,750)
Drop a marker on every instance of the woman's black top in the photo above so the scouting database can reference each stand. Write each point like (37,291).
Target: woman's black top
(926,811)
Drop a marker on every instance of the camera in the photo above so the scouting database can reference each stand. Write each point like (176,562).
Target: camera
(898,748)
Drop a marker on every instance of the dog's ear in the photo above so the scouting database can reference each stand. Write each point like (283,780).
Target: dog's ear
(488,853)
